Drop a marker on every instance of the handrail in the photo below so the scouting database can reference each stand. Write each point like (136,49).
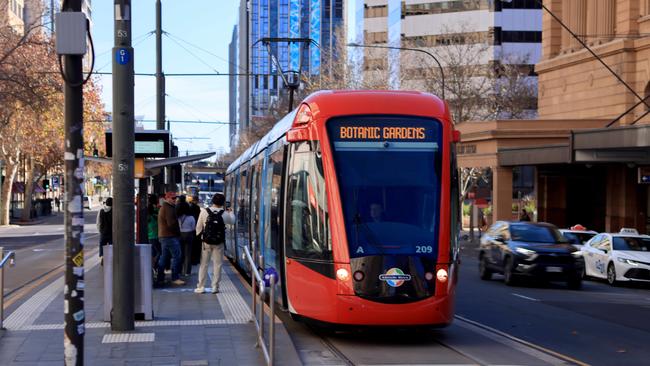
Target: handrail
(11,258)
(259,323)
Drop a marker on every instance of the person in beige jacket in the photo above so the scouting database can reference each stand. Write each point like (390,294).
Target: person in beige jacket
(212,251)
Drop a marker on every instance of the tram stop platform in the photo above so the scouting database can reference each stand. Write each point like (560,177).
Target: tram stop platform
(188,328)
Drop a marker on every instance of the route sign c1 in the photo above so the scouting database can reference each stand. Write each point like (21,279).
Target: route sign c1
(122,56)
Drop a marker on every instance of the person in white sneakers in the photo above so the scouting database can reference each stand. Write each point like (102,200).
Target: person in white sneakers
(211,227)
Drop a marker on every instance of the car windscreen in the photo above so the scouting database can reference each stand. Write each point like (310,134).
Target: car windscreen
(631,243)
(578,238)
(535,234)
(389,176)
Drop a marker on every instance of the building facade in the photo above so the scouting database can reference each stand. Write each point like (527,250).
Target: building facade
(233,112)
(590,149)
(316,20)
(513,29)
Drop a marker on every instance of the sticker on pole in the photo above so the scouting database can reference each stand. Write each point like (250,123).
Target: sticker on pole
(78,259)
(122,56)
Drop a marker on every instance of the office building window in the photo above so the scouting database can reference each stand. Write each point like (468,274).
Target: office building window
(379,11)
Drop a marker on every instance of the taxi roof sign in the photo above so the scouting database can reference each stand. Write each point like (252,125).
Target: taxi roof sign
(628,230)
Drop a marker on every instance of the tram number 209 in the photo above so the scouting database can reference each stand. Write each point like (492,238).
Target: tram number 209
(423,249)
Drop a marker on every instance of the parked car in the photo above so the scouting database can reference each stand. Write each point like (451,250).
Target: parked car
(623,256)
(526,249)
(578,235)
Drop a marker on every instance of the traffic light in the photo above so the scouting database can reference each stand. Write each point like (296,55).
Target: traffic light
(46,184)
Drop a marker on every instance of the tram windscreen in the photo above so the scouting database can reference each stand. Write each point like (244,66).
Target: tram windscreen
(388,170)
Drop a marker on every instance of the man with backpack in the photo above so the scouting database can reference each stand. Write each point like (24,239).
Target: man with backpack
(211,227)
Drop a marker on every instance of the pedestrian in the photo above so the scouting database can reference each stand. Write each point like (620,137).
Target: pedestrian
(57,202)
(524,215)
(187,224)
(169,236)
(195,209)
(212,229)
(152,228)
(105,226)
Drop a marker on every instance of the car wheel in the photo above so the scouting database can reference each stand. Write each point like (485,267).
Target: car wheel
(483,269)
(508,272)
(611,274)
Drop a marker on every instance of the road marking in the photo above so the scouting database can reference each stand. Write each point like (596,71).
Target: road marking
(531,349)
(524,297)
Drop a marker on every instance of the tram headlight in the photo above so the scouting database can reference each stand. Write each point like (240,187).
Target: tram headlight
(343,274)
(442,275)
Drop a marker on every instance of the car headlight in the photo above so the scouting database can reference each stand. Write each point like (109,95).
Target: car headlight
(628,261)
(577,254)
(526,252)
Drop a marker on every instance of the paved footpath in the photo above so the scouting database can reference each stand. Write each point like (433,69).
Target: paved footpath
(188,329)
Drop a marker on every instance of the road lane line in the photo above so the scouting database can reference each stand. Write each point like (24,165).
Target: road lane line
(524,297)
(534,350)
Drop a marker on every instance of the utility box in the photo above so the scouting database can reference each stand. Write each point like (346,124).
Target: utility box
(143,282)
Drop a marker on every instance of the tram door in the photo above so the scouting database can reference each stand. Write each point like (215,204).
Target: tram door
(273,250)
(243,218)
(310,269)
(256,183)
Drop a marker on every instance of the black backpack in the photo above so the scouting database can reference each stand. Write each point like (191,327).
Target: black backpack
(214,232)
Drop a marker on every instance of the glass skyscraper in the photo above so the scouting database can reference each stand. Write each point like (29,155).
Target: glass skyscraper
(314,19)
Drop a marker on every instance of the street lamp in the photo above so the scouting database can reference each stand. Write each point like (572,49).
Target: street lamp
(442,74)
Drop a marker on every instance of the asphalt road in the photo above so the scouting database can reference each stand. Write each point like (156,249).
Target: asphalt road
(599,325)
(39,248)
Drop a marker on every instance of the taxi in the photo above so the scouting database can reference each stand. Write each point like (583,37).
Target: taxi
(618,257)
(578,235)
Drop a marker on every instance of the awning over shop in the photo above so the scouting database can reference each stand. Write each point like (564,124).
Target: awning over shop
(627,144)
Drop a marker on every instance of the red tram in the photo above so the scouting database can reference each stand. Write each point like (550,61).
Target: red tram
(352,199)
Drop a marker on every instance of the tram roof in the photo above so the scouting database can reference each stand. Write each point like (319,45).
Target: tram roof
(272,136)
(333,97)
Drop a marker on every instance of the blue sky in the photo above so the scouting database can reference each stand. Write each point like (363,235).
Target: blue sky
(194,24)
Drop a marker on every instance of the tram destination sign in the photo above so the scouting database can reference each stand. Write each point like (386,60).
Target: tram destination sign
(383,129)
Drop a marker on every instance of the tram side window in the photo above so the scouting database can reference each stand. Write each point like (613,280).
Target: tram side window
(307,218)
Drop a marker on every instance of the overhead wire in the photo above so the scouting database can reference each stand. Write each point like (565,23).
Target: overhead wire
(192,53)
(206,51)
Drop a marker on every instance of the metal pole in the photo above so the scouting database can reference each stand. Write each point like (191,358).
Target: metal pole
(272,325)
(73,307)
(254,307)
(160,77)
(159,180)
(2,289)
(123,175)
